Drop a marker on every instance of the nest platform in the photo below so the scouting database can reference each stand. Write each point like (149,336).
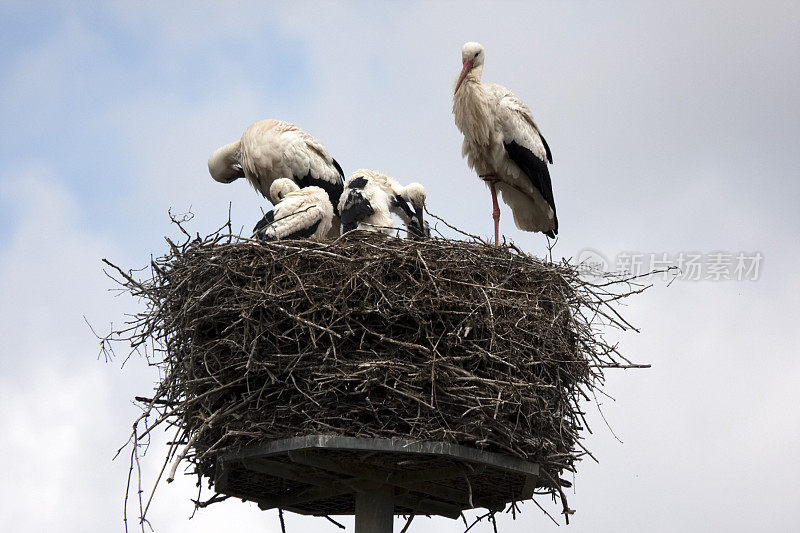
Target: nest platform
(326,475)
(457,359)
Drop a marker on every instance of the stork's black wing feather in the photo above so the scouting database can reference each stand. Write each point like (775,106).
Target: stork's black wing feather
(334,190)
(339,168)
(399,202)
(357,183)
(537,172)
(356,208)
(546,149)
(265,221)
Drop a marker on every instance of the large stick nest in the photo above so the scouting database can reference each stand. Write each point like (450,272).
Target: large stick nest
(367,336)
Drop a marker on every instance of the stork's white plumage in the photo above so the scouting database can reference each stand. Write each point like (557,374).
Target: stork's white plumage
(273,149)
(298,214)
(359,200)
(504,146)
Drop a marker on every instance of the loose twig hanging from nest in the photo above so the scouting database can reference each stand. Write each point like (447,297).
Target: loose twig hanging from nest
(367,336)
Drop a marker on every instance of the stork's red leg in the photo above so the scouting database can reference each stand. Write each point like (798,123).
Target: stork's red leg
(495,212)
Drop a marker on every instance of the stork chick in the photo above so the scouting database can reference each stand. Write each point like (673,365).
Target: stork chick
(364,204)
(399,198)
(299,213)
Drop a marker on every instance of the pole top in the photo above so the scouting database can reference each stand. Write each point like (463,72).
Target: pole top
(323,475)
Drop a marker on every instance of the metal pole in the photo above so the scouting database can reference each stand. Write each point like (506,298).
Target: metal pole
(375,510)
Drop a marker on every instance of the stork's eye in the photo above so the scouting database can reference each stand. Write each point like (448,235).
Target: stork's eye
(476,55)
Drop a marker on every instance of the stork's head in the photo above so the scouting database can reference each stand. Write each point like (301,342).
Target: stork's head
(414,193)
(280,188)
(471,56)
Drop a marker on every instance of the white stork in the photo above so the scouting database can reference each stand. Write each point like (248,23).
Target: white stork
(361,202)
(504,146)
(298,214)
(272,149)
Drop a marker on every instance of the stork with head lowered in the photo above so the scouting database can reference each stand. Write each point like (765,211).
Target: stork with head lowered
(273,149)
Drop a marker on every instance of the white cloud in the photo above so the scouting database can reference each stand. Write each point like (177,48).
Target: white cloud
(53,419)
(49,264)
(58,399)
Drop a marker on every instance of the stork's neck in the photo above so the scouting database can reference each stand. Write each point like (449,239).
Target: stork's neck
(474,75)
(471,107)
(472,80)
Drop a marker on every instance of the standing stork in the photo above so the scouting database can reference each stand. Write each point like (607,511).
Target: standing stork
(304,213)
(504,146)
(362,202)
(272,149)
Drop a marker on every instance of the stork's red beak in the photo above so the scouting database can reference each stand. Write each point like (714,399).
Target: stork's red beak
(464,71)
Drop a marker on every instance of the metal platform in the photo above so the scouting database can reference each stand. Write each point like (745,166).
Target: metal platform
(373,478)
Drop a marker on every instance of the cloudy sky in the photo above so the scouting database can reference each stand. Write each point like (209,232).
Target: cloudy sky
(674,128)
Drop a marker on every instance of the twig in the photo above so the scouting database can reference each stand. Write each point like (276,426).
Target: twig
(408,523)
(334,522)
(462,232)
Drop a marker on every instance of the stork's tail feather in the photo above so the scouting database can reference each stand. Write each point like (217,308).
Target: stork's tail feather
(553,232)
(223,165)
(555,226)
